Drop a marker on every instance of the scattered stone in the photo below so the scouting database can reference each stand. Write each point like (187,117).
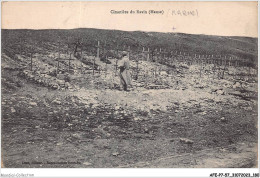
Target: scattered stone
(13,110)
(95,105)
(222,150)
(146,130)
(76,136)
(223,119)
(236,84)
(56,102)
(68,139)
(203,113)
(59,144)
(67,85)
(249,108)
(137,119)
(115,154)
(55,86)
(87,163)
(107,146)
(186,140)
(37,127)
(220,92)
(33,104)
(239,132)
(172,140)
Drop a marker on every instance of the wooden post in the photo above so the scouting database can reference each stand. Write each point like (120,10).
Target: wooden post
(68,45)
(116,67)
(94,60)
(58,58)
(249,72)
(200,65)
(98,49)
(148,52)
(81,58)
(69,62)
(31,60)
(117,51)
(59,49)
(137,70)
(106,67)
(58,66)
(128,50)
(143,54)
(21,46)
(105,45)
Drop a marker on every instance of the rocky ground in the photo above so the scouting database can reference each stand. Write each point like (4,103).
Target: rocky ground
(174,116)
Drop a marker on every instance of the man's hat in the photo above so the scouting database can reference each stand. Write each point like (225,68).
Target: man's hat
(124,53)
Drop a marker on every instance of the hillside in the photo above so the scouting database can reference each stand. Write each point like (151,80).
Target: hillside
(244,48)
(64,107)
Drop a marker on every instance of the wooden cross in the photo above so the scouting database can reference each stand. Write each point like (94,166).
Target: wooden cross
(69,61)
(128,50)
(98,49)
(94,61)
(165,52)
(106,66)
(117,50)
(146,52)
(20,46)
(58,57)
(31,55)
(116,67)
(137,70)
(81,58)
(68,47)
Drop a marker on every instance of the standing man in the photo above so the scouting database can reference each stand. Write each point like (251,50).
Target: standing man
(124,74)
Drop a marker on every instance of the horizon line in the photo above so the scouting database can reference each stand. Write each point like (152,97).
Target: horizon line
(123,31)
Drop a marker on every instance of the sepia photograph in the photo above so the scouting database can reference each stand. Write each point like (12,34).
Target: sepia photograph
(129,84)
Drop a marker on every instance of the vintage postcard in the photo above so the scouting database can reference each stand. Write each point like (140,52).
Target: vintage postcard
(129,85)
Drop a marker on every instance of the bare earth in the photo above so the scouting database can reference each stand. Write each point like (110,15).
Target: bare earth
(193,122)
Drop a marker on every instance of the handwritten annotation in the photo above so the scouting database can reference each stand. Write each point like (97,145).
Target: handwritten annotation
(185,12)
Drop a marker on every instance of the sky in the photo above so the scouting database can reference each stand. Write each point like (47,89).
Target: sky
(210,18)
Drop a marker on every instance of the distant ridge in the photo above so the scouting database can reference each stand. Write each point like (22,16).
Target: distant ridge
(242,47)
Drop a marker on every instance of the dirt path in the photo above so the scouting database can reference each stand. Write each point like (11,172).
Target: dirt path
(210,158)
(106,128)
(94,125)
